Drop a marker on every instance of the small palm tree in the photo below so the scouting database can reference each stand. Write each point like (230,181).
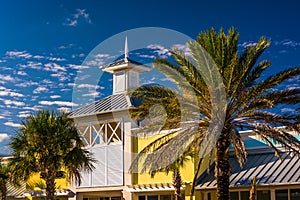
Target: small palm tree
(48,142)
(222,92)
(4,179)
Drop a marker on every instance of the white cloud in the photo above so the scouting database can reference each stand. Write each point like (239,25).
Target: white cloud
(53,67)
(89,86)
(18,54)
(38,57)
(23,114)
(66,46)
(78,66)
(159,50)
(287,43)
(22,73)
(247,44)
(7,78)
(74,19)
(11,102)
(92,94)
(59,103)
(147,56)
(182,47)
(61,76)
(102,55)
(64,109)
(287,110)
(56,59)
(12,124)
(8,92)
(32,65)
(34,108)
(55,96)
(26,84)
(40,89)
(3,136)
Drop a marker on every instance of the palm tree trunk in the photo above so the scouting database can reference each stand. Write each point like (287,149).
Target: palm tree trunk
(196,176)
(50,185)
(3,191)
(222,167)
(253,189)
(177,184)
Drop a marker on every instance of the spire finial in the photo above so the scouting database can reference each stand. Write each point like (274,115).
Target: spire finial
(126,49)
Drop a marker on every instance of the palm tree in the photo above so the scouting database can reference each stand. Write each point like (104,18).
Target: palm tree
(221,93)
(4,178)
(153,152)
(47,143)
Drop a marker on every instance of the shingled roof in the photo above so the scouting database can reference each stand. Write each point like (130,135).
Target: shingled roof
(268,169)
(112,103)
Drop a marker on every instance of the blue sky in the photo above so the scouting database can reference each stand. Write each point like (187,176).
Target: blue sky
(44,43)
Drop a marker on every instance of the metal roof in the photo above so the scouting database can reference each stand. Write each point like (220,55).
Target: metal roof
(111,103)
(14,191)
(121,62)
(268,169)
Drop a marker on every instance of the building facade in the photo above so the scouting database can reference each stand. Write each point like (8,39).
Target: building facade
(106,128)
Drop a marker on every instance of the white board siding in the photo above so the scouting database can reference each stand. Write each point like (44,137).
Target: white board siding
(98,175)
(114,163)
(109,167)
(85,179)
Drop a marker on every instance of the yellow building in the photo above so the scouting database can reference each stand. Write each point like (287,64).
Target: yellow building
(106,128)
(34,189)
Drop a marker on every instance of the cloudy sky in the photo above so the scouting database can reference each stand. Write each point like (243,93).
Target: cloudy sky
(44,44)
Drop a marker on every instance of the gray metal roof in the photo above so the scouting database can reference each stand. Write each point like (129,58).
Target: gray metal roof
(121,62)
(15,191)
(268,169)
(111,103)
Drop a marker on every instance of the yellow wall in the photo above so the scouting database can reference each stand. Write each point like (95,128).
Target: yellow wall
(187,171)
(60,183)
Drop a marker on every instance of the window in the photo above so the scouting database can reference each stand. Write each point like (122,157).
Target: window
(115,198)
(153,197)
(209,196)
(142,197)
(119,82)
(263,195)
(133,79)
(234,195)
(281,194)
(245,195)
(295,194)
(165,197)
(114,132)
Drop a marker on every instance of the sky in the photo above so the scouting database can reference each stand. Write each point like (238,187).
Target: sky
(44,45)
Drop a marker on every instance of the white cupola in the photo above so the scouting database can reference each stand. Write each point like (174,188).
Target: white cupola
(125,72)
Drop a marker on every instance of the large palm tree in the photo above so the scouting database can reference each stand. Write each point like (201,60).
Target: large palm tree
(221,92)
(48,142)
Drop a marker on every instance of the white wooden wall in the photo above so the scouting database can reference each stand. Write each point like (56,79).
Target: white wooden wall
(105,140)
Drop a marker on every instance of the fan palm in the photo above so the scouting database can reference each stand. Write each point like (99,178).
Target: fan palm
(47,143)
(221,93)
